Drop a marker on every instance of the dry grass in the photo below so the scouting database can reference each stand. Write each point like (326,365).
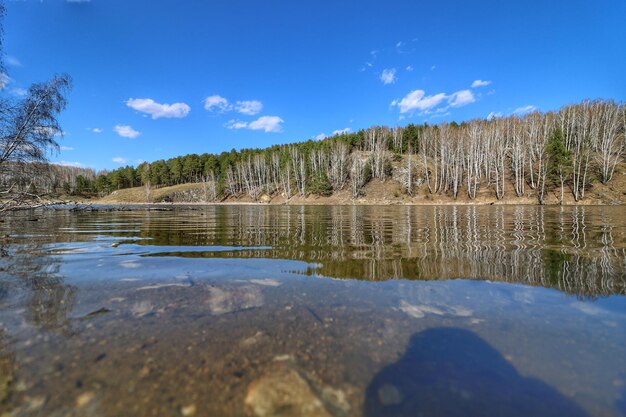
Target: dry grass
(138,195)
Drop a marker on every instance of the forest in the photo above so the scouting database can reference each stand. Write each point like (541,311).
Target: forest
(566,150)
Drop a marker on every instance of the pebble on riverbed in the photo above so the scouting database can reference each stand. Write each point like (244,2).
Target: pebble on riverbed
(282,391)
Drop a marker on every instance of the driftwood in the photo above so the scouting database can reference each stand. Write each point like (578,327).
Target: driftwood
(20,200)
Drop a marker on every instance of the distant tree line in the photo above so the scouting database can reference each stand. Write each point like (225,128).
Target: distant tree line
(47,179)
(569,148)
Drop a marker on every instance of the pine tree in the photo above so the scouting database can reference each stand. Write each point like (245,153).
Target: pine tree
(559,159)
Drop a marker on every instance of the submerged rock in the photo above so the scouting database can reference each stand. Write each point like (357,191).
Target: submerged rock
(84,399)
(230,300)
(188,410)
(283,392)
(141,308)
(419,311)
(389,395)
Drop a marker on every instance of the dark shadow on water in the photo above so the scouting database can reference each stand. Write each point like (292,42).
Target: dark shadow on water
(453,372)
(620,404)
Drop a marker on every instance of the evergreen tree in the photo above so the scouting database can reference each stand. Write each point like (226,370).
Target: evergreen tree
(559,159)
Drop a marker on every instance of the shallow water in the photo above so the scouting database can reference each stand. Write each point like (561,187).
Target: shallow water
(320,311)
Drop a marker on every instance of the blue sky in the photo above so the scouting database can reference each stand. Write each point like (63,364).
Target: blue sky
(157,79)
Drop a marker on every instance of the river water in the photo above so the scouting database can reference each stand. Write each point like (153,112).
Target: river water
(314,311)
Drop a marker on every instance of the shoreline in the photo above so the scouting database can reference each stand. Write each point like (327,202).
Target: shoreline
(375,193)
(338,203)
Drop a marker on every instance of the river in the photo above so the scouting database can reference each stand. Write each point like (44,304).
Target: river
(314,310)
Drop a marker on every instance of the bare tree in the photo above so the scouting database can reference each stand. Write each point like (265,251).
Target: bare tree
(473,155)
(428,148)
(357,174)
(609,143)
(409,171)
(299,170)
(577,123)
(500,147)
(210,190)
(397,143)
(28,128)
(518,153)
(539,150)
(377,143)
(337,169)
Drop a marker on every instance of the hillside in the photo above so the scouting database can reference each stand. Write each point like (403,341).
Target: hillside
(390,191)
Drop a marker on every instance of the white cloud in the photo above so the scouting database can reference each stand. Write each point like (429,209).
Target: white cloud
(236,124)
(432,68)
(4,81)
(126,131)
(217,103)
(267,124)
(366,66)
(66,148)
(157,110)
(70,164)
(18,91)
(524,109)
(400,47)
(409,68)
(13,61)
(493,114)
(417,100)
(461,98)
(480,83)
(249,107)
(119,160)
(343,131)
(388,76)
(321,136)
(96,130)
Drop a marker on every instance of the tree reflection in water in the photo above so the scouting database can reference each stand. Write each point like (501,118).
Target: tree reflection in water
(33,274)
(453,372)
(578,250)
